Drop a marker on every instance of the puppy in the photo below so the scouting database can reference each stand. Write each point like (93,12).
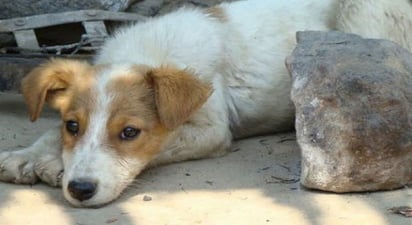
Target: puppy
(174,88)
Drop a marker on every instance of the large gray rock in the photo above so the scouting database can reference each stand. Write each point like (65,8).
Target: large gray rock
(353,99)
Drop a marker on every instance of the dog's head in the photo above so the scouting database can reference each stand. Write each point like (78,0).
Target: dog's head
(115,119)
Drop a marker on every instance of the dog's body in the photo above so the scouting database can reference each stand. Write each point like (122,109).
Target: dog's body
(174,88)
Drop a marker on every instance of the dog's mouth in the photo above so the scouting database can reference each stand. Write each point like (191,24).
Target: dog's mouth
(88,204)
(85,204)
(84,194)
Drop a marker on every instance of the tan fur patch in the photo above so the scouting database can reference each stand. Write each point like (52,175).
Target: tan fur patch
(49,82)
(178,94)
(144,148)
(153,101)
(133,97)
(134,106)
(80,115)
(65,86)
(217,13)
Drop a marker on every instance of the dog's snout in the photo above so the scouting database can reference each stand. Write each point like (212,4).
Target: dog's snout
(82,189)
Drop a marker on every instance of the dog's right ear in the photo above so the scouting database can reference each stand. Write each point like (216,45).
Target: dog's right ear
(48,82)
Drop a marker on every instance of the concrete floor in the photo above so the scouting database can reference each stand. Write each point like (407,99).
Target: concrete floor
(257,183)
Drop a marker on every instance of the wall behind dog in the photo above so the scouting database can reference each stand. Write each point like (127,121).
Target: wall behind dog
(19,8)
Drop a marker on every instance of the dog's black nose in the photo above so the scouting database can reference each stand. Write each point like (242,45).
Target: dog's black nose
(82,189)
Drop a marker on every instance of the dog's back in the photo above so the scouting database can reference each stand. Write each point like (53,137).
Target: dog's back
(258,37)
(382,19)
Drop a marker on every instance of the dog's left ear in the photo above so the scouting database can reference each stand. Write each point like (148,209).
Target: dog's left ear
(178,94)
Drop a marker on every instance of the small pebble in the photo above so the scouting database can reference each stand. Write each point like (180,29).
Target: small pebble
(147,198)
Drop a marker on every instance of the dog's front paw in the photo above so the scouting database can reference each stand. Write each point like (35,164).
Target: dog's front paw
(50,170)
(17,167)
(25,167)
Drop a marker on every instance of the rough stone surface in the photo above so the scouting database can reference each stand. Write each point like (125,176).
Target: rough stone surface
(353,101)
(19,8)
(12,70)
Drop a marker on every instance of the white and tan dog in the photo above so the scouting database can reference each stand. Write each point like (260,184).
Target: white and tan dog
(178,87)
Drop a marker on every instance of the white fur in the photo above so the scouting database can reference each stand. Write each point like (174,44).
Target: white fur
(390,20)
(241,55)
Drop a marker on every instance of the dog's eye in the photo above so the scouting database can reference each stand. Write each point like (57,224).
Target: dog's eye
(72,127)
(129,133)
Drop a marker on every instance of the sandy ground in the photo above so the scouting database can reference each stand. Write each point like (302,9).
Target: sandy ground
(257,183)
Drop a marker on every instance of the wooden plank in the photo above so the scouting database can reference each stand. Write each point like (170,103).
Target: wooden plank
(44,20)
(26,39)
(95,29)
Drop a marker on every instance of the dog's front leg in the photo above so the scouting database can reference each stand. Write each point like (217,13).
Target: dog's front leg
(206,135)
(42,160)
(193,143)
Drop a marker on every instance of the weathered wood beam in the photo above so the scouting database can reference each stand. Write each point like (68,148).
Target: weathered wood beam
(26,39)
(44,20)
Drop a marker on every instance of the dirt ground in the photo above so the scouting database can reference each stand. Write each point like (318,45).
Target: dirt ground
(257,183)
